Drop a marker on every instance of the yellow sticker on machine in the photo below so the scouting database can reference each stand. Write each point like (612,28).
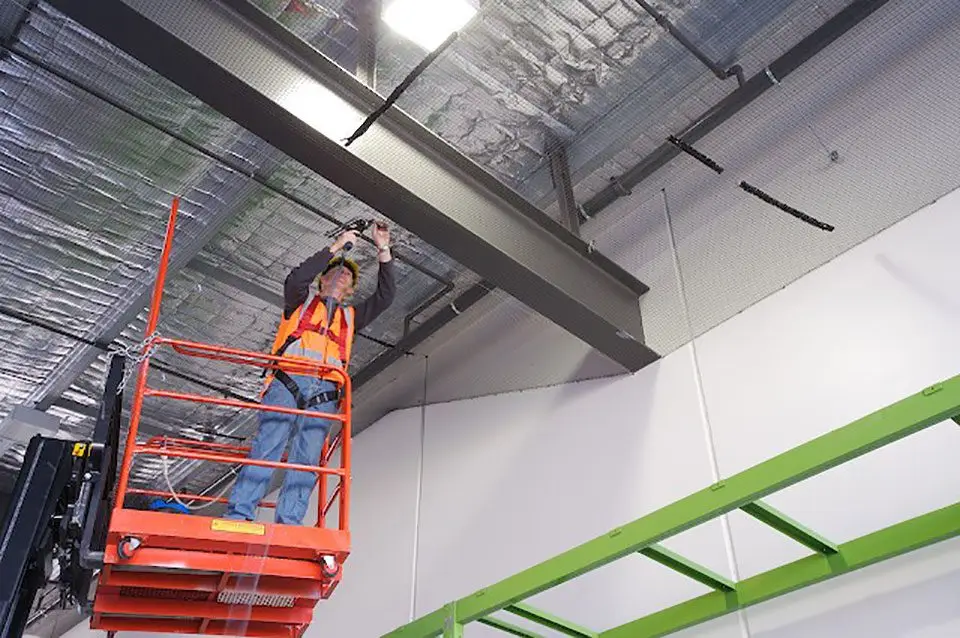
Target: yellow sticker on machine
(238,527)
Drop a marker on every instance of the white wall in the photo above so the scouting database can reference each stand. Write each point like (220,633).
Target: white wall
(510,480)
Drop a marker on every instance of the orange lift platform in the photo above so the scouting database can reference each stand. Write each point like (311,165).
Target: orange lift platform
(181,573)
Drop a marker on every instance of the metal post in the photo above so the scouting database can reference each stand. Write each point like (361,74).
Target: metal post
(452,628)
(560,171)
(346,438)
(369,31)
(151,328)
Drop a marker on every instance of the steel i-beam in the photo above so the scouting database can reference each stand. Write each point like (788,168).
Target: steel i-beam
(274,84)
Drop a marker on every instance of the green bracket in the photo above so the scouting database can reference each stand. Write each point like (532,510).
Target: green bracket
(687,567)
(549,621)
(506,627)
(452,628)
(744,490)
(786,525)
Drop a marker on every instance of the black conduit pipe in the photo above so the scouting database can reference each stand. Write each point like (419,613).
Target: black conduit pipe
(723,74)
(739,99)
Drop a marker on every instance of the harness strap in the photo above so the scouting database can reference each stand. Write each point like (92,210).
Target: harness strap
(306,325)
(302,403)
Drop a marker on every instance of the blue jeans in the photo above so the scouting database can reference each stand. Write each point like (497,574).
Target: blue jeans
(271,439)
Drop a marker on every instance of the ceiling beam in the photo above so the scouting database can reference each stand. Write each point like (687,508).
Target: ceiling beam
(278,87)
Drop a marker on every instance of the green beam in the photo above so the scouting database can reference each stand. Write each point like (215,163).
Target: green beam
(687,567)
(784,524)
(549,621)
(913,414)
(508,628)
(892,541)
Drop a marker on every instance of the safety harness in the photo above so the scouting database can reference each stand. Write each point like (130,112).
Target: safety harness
(306,325)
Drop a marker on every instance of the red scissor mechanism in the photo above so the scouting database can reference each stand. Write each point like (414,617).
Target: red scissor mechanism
(181,573)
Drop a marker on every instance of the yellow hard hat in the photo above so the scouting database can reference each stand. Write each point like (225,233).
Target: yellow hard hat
(349,263)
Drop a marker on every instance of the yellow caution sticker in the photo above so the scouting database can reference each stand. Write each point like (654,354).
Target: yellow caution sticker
(238,527)
(79,449)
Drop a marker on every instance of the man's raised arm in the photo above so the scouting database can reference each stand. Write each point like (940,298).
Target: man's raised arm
(370,308)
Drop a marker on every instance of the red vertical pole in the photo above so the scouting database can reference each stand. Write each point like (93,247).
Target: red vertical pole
(152,321)
(345,440)
(322,498)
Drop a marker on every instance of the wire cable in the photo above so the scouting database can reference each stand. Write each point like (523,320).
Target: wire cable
(398,91)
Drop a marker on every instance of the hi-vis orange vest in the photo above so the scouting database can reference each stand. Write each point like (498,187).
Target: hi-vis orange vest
(305,334)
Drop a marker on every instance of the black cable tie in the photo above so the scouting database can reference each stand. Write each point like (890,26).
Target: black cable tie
(689,150)
(753,190)
(397,92)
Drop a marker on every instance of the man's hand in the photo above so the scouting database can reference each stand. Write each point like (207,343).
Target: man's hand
(381,235)
(348,236)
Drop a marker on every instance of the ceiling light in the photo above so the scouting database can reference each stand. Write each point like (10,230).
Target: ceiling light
(428,23)
(321,108)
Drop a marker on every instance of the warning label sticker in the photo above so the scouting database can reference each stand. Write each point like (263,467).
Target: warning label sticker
(238,527)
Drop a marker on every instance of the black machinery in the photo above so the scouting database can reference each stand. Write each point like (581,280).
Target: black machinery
(59,511)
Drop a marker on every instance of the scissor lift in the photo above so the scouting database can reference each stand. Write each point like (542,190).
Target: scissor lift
(180,573)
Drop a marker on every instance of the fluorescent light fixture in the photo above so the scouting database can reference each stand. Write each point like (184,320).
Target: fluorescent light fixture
(428,23)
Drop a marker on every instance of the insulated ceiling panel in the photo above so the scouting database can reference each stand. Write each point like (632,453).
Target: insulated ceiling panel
(525,67)
(93,148)
(94,145)
(881,99)
(520,69)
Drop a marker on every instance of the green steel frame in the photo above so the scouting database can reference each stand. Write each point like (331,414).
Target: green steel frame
(742,491)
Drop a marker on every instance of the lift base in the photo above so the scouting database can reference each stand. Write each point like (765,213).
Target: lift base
(175,573)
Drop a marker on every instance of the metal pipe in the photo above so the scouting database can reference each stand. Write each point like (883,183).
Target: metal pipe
(230,403)
(562,183)
(223,458)
(739,99)
(322,488)
(151,327)
(368,31)
(346,440)
(723,74)
(432,299)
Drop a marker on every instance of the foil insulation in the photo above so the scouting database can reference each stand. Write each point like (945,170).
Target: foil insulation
(93,146)
(522,74)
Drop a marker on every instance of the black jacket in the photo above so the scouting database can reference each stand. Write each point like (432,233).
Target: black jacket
(296,289)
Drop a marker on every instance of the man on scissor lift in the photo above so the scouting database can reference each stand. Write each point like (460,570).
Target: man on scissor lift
(305,319)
